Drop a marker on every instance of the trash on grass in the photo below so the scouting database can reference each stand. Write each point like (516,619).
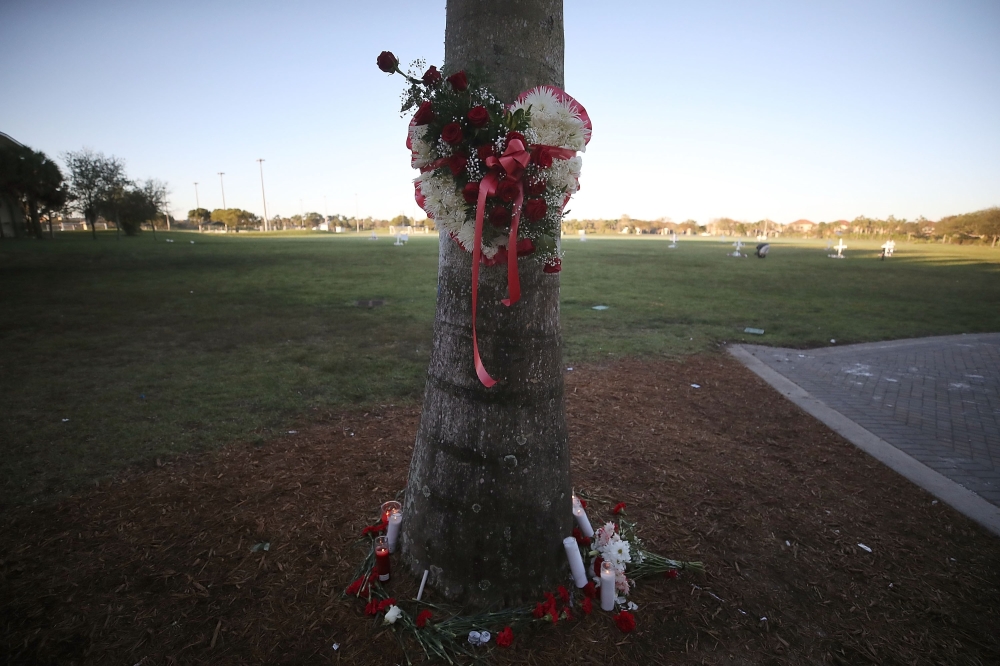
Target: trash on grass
(754,331)
(600,307)
(264,545)
(695,385)
(864,548)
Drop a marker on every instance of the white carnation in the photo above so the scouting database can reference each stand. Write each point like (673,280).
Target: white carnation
(393,614)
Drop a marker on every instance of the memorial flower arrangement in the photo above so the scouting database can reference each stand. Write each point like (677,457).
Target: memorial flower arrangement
(497,177)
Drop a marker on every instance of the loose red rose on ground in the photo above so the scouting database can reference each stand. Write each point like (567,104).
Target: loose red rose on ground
(587,605)
(458,81)
(422,618)
(625,621)
(371,608)
(470,192)
(525,246)
(485,151)
(597,565)
(385,603)
(431,76)
(537,189)
(563,594)
(505,637)
(499,216)
(536,209)
(452,133)
(553,266)
(457,163)
(387,62)
(424,114)
(589,590)
(479,116)
(508,190)
(618,508)
(671,573)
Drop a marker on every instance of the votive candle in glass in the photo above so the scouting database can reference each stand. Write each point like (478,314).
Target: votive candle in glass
(392,532)
(382,558)
(607,586)
(387,508)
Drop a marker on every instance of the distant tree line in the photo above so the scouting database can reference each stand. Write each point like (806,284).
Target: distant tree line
(236,219)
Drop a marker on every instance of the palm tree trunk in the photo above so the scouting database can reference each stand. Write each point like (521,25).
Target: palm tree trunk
(488,499)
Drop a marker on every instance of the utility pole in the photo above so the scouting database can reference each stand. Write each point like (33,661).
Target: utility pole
(196,204)
(357,222)
(223,186)
(260,163)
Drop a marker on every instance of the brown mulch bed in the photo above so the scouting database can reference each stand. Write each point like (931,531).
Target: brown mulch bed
(158,568)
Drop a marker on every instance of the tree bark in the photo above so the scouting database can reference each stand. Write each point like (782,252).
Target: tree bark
(488,499)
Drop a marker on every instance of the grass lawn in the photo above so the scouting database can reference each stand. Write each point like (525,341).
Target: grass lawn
(119,352)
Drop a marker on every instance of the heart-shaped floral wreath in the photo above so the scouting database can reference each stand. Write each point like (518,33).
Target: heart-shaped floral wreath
(497,177)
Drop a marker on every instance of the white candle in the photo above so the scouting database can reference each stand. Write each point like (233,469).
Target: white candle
(395,518)
(423,581)
(575,561)
(581,518)
(607,586)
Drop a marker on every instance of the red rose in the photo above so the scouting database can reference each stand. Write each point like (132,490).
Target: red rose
(587,605)
(539,611)
(553,266)
(536,209)
(499,216)
(542,156)
(618,508)
(457,163)
(589,591)
(479,116)
(458,81)
(563,594)
(597,565)
(537,189)
(671,573)
(422,618)
(508,190)
(452,133)
(371,608)
(516,135)
(485,151)
(470,192)
(505,637)
(525,246)
(625,621)
(387,62)
(424,114)
(431,76)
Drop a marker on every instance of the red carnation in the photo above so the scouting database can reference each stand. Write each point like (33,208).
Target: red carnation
(458,81)
(536,209)
(578,535)
(589,590)
(539,611)
(553,266)
(387,62)
(583,502)
(485,151)
(505,637)
(537,189)
(422,618)
(424,114)
(371,608)
(479,116)
(525,246)
(452,133)
(374,529)
(563,594)
(587,605)
(671,573)
(597,565)
(499,216)
(457,163)
(385,603)
(508,190)
(355,587)
(470,192)
(618,508)
(431,76)
(625,621)
(567,613)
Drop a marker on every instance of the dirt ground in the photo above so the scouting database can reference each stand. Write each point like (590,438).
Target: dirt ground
(157,567)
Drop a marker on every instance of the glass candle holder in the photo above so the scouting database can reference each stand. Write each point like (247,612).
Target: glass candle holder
(382,558)
(388,507)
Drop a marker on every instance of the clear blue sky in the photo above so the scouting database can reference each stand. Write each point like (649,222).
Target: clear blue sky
(782,109)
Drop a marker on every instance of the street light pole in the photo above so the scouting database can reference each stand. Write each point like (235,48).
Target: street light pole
(260,163)
(196,204)
(223,186)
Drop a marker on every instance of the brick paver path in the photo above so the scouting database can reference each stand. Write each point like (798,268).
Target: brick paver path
(937,399)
